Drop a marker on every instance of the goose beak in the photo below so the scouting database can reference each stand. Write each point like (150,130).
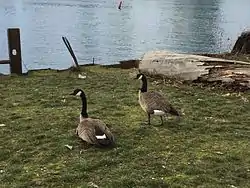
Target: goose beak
(71,94)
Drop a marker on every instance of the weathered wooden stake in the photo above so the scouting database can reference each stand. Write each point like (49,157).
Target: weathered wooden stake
(15,50)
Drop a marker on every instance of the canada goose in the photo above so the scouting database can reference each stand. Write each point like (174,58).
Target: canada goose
(91,130)
(153,103)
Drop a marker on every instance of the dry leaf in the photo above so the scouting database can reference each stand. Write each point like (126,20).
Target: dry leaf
(2,125)
(81,76)
(69,147)
(232,186)
(91,184)
(219,153)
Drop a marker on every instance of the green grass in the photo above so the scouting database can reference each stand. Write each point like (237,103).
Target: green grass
(209,147)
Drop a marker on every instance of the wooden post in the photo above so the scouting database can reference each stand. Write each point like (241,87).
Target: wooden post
(15,50)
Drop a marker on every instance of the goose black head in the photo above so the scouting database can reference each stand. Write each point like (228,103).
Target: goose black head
(77,92)
(140,76)
(143,78)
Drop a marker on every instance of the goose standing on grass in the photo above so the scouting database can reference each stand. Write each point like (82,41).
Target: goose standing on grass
(153,103)
(91,130)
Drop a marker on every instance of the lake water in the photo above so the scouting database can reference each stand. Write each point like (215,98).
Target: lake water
(96,28)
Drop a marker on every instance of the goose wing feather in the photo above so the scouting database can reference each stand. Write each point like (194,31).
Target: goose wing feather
(156,101)
(89,128)
(87,133)
(100,129)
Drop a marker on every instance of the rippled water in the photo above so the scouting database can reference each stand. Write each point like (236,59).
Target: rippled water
(96,28)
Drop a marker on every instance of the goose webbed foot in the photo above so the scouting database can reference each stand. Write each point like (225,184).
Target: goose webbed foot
(86,145)
(144,124)
(178,118)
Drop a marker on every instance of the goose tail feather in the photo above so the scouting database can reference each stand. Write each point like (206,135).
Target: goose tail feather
(173,111)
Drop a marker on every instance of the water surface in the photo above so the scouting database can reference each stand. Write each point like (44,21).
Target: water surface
(96,28)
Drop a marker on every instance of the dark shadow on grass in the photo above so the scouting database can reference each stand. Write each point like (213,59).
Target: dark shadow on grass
(82,145)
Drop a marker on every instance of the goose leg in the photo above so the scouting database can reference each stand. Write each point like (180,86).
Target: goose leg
(148,119)
(161,120)
(178,118)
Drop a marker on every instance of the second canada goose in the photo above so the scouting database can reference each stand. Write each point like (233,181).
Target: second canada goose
(153,103)
(92,131)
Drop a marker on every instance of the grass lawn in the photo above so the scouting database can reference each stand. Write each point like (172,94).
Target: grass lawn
(209,147)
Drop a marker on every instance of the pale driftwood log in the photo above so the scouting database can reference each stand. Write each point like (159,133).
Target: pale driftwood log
(190,67)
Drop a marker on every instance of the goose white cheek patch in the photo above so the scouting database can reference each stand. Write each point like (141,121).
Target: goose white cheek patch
(158,112)
(79,93)
(140,77)
(101,137)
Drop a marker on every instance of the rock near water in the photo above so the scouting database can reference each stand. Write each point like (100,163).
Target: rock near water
(242,45)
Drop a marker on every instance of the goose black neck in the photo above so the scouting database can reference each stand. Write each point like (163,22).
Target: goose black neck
(144,84)
(84,105)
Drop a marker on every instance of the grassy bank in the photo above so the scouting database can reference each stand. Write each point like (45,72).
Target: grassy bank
(209,147)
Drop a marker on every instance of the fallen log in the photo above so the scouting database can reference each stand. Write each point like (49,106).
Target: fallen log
(196,68)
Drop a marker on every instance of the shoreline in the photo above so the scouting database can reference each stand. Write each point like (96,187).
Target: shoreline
(134,63)
(235,86)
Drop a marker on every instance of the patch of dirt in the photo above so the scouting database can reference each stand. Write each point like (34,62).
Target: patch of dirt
(231,77)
